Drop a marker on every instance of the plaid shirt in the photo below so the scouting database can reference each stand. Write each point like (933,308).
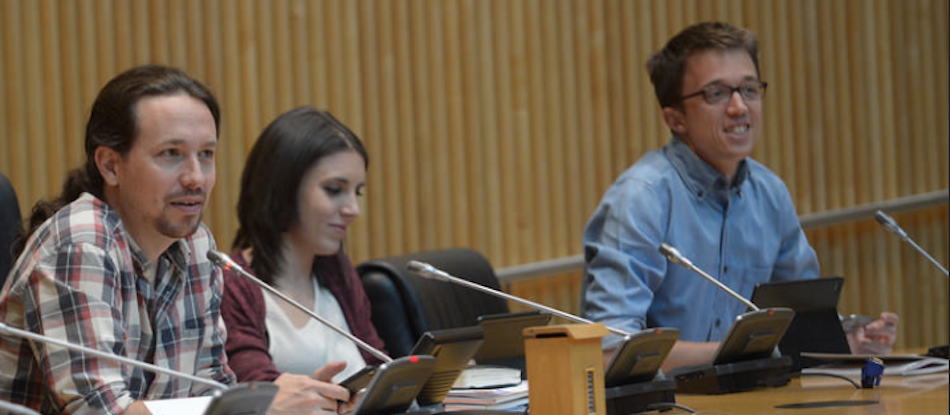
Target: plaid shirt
(82,279)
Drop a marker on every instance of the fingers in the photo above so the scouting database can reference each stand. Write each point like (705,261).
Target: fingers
(346,408)
(333,391)
(889,318)
(883,330)
(327,372)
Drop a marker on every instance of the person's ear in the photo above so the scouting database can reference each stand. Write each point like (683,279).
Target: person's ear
(675,119)
(107,161)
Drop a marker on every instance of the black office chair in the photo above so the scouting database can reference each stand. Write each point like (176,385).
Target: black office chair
(405,305)
(10,223)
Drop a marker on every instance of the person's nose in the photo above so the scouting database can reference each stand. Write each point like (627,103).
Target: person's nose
(737,105)
(351,208)
(193,175)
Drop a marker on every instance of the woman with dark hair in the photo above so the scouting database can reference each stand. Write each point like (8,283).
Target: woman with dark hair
(299,194)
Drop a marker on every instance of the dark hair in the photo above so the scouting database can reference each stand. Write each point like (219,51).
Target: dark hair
(113,123)
(267,206)
(668,66)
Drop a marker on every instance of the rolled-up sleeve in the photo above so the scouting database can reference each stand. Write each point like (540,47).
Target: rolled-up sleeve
(623,266)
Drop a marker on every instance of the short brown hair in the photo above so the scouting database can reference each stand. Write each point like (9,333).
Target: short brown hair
(668,66)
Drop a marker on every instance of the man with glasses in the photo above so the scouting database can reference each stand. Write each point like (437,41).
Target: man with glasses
(702,194)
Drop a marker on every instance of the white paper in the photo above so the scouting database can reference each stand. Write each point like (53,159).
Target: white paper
(183,406)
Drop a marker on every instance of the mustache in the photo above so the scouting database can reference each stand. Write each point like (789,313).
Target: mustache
(187,193)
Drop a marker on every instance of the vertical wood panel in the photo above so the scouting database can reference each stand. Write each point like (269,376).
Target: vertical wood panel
(570,120)
(536,142)
(504,138)
(5,160)
(498,125)
(460,192)
(552,149)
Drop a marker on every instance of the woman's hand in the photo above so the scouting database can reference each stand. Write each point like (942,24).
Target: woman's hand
(315,394)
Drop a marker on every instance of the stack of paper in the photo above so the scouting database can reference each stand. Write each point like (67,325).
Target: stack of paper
(487,376)
(511,398)
(894,365)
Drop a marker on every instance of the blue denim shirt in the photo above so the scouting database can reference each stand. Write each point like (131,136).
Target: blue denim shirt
(742,233)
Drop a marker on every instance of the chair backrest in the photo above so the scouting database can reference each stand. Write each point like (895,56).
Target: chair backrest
(10,223)
(405,305)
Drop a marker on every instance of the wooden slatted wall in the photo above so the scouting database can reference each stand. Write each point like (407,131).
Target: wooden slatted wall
(497,124)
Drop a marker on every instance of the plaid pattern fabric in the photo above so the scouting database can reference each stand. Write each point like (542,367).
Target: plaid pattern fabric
(81,279)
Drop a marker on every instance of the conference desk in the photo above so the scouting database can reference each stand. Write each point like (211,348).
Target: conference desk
(924,394)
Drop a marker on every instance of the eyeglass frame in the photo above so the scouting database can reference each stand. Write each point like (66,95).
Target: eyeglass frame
(732,90)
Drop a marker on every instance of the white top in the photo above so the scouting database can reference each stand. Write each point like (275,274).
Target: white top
(304,350)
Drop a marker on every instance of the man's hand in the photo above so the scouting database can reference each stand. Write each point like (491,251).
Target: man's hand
(876,338)
(137,408)
(686,353)
(300,394)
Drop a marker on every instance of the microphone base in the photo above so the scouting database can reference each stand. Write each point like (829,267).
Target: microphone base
(640,397)
(468,412)
(939,351)
(734,377)
(439,409)
(465,412)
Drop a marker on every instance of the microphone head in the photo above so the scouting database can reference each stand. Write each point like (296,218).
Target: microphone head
(890,224)
(220,259)
(674,255)
(423,269)
(670,253)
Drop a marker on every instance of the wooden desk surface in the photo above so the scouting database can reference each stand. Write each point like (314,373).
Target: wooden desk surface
(925,394)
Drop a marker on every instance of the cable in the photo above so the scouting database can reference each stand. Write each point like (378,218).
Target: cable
(664,406)
(830,375)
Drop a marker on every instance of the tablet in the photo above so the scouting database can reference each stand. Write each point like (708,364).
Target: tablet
(640,356)
(754,335)
(452,350)
(816,326)
(799,295)
(503,334)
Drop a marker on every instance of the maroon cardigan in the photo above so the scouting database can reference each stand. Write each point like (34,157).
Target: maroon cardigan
(243,311)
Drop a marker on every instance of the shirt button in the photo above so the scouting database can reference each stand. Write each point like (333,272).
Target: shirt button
(725,268)
(718,322)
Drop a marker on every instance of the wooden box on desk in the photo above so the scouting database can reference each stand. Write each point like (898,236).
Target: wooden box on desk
(565,369)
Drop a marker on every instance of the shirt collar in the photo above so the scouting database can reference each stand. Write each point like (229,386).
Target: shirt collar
(700,177)
(177,253)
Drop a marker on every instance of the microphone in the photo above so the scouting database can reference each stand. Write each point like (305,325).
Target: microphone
(425,270)
(108,356)
(13,408)
(891,225)
(676,257)
(225,262)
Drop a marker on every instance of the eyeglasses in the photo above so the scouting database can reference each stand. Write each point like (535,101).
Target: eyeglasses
(719,93)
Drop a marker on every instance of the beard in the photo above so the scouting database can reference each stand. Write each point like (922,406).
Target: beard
(178,229)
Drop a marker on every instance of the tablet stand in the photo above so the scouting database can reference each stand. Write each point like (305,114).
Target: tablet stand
(938,351)
(640,397)
(734,377)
